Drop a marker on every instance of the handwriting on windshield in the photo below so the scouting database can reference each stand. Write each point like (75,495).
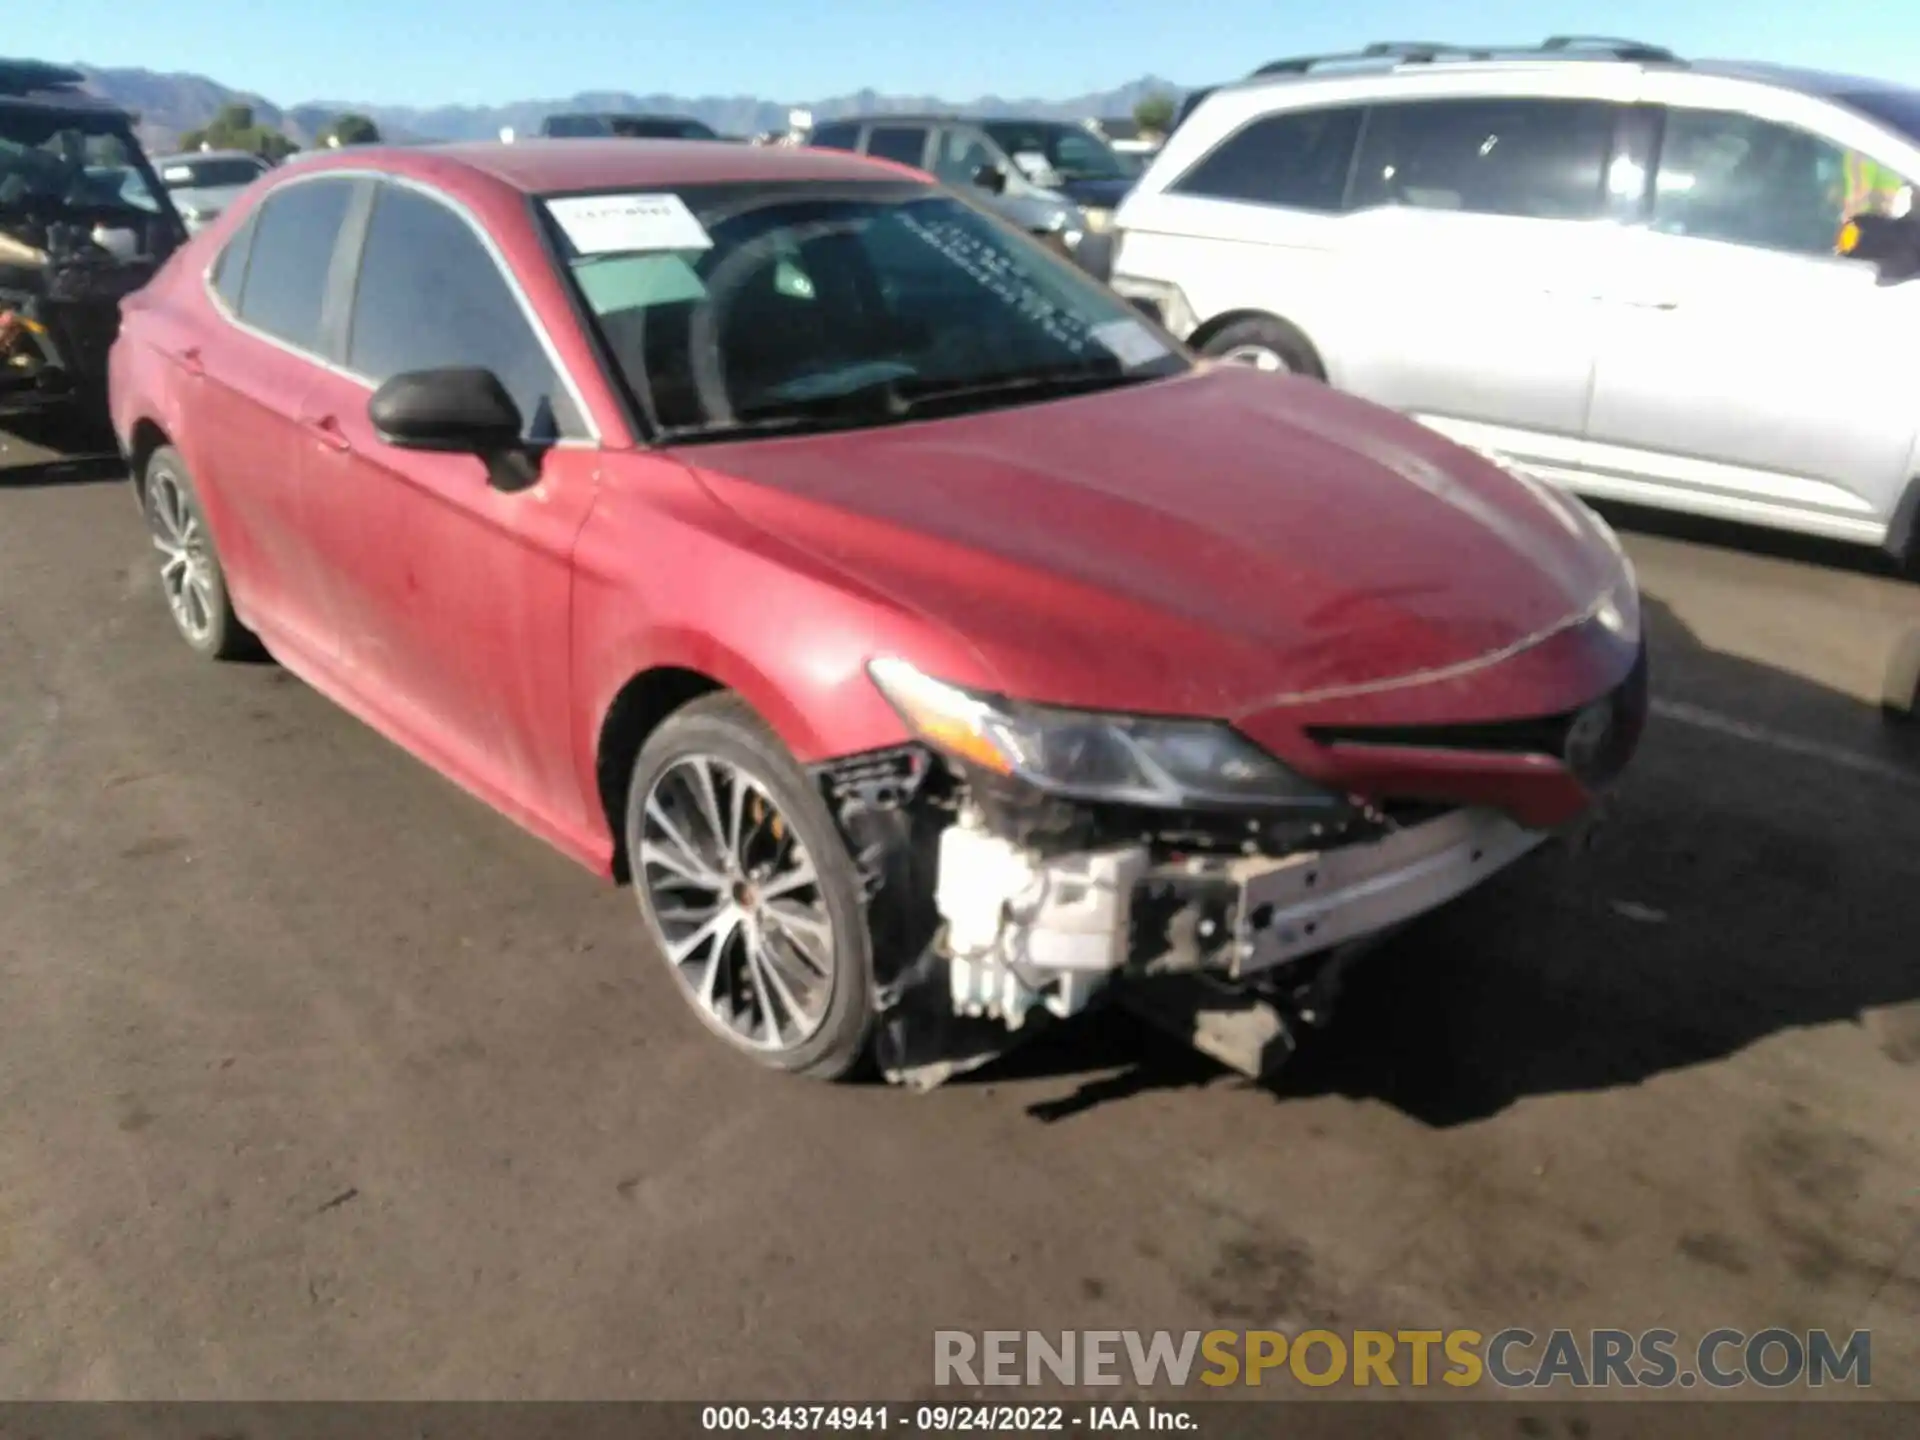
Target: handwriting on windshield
(997,271)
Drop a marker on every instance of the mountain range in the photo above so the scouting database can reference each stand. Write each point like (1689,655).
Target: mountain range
(169,105)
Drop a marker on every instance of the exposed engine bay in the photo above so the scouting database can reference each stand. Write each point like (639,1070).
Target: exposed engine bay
(997,909)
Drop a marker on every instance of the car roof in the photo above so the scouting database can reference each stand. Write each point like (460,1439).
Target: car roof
(76,102)
(543,166)
(1382,63)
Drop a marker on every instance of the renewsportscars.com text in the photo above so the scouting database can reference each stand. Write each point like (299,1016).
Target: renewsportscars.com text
(1513,1358)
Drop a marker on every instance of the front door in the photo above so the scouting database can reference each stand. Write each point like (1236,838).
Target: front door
(451,599)
(1747,371)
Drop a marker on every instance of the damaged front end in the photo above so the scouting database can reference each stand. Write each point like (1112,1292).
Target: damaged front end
(1023,864)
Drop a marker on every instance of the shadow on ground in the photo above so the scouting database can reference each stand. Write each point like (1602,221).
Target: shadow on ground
(41,450)
(1737,891)
(1754,540)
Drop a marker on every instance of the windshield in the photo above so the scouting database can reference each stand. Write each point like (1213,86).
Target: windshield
(745,309)
(1897,109)
(209,174)
(59,163)
(1074,153)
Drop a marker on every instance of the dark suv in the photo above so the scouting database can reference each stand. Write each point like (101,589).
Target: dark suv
(84,221)
(628,127)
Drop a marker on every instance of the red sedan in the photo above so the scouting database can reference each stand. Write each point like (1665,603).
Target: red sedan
(933,643)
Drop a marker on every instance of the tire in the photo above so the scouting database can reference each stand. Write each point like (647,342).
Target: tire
(1266,344)
(192,579)
(764,967)
(1900,691)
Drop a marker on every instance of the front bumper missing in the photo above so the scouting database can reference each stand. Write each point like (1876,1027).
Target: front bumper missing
(1290,908)
(1230,954)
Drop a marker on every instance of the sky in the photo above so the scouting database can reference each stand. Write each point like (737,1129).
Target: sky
(432,52)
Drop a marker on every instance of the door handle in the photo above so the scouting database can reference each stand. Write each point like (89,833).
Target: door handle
(191,362)
(326,429)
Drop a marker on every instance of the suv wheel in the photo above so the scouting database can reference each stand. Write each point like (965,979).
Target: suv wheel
(1264,343)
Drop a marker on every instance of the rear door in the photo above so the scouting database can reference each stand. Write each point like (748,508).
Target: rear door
(1749,371)
(270,284)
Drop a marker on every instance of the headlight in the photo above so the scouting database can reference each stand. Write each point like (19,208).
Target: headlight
(1098,221)
(1116,759)
(1618,611)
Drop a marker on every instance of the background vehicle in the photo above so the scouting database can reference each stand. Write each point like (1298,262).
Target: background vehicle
(204,182)
(84,221)
(1028,187)
(628,127)
(660,494)
(1610,266)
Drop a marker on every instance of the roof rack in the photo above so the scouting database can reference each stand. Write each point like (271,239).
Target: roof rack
(1419,52)
(22,77)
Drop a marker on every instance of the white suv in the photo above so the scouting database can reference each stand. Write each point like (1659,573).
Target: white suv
(1595,261)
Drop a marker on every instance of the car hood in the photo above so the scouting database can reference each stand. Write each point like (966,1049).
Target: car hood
(1096,194)
(1214,544)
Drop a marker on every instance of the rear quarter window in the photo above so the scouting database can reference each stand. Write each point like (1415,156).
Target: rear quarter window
(229,275)
(294,233)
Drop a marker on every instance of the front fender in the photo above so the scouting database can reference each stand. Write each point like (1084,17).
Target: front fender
(668,577)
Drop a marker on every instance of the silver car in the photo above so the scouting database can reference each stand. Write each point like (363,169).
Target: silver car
(1604,265)
(204,182)
(1025,187)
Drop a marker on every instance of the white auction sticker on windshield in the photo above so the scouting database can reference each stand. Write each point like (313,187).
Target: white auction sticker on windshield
(1129,342)
(175,173)
(622,224)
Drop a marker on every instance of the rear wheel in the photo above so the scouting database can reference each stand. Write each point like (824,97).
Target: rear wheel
(191,576)
(748,891)
(1265,343)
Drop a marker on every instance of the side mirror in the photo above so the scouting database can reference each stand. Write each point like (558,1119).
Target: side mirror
(1891,244)
(991,178)
(458,410)
(1149,308)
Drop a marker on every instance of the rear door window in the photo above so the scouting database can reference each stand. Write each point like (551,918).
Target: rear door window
(906,144)
(294,233)
(1543,159)
(1297,160)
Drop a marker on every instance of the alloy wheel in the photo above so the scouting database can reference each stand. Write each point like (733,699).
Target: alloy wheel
(738,904)
(186,562)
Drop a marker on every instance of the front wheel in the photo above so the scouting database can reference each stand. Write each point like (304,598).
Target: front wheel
(748,891)
(1266,343)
